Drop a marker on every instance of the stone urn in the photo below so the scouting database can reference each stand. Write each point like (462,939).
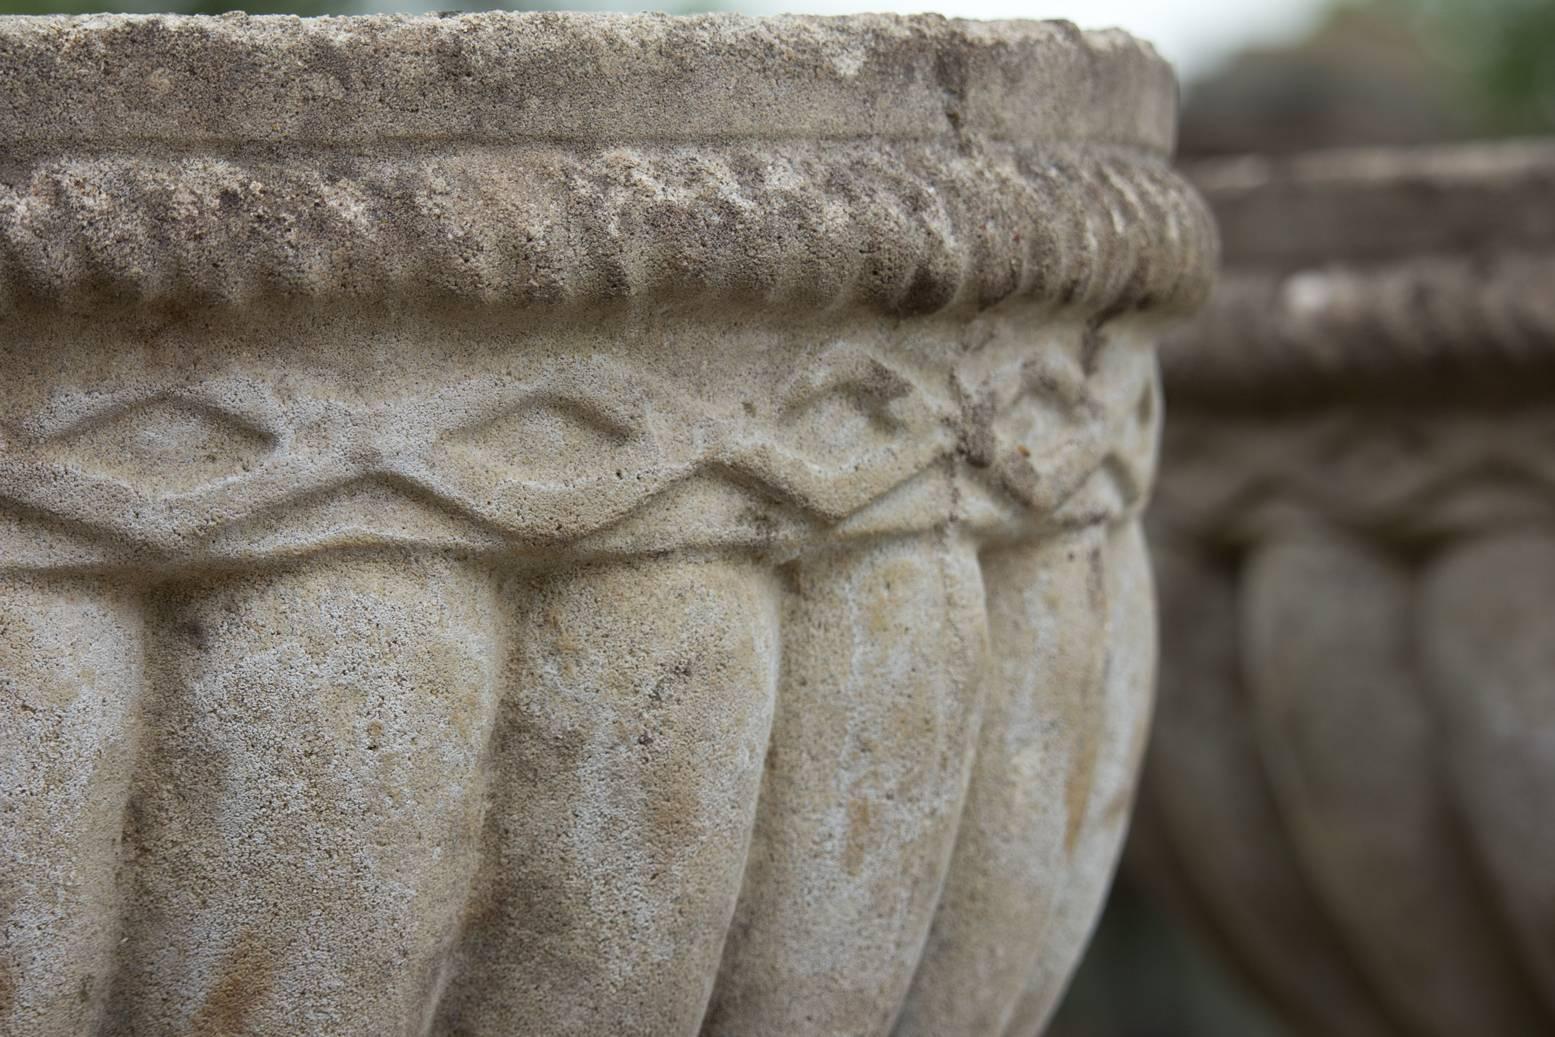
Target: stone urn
(564,525)
(1352,779)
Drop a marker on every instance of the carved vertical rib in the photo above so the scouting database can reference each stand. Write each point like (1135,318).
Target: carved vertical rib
(1098,819)
(1350,750)
(627,762)
(1205,781)
(1488,635)
(877,715)
(1043,761)
(307,825)
(70,677)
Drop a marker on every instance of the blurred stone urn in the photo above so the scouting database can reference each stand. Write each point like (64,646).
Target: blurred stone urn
(572,525)
(1352,779)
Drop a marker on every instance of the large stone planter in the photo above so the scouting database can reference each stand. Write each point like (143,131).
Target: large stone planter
(1352,777)
(564,525)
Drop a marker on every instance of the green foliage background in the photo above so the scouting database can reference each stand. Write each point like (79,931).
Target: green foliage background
(1500,52)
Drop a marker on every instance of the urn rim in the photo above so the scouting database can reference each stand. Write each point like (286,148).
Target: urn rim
(579,78)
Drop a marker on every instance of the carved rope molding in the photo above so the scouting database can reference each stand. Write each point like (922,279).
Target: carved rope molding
(1431,328)
(905,228)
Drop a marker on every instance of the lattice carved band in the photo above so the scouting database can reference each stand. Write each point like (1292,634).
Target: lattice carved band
(507,433)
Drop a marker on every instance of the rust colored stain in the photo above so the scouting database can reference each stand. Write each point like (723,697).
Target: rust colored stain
(1118,808)
(860,835)
(1090,717)
(247,974)
(1077,785)
(7,988)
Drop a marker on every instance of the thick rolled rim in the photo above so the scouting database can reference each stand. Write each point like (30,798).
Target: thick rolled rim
(500,77)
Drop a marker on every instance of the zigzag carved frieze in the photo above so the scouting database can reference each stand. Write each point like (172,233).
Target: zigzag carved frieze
(859,444)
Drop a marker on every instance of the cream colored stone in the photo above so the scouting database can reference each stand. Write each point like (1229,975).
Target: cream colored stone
(1350,782)
(572,525)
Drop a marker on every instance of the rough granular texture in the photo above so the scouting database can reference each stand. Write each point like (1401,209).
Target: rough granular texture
(572,525)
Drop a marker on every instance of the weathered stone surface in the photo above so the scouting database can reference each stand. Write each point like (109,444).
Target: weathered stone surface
(1355,528)
(572,525)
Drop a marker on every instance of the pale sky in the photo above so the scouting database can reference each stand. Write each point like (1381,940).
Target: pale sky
(1192,34)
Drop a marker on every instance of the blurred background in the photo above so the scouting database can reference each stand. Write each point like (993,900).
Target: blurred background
(1271,76)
